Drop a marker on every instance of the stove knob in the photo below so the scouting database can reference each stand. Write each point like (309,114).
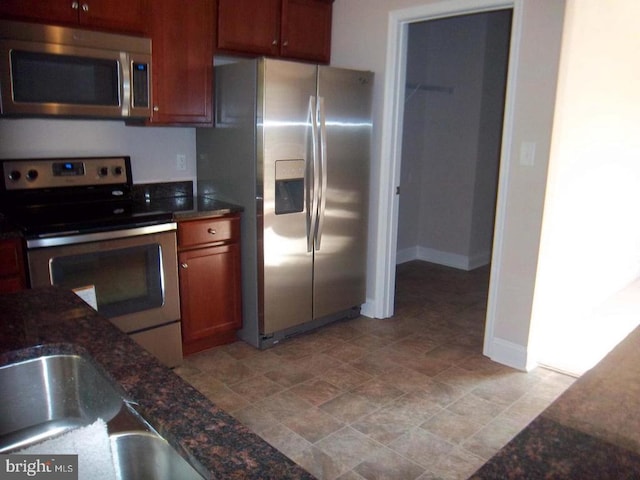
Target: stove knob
(15,175)
(103,171)
(117,171)
(32,175)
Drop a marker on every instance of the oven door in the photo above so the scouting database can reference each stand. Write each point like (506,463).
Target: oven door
(134,273)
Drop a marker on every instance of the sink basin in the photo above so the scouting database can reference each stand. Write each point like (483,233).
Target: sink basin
(47,396)
(145,455)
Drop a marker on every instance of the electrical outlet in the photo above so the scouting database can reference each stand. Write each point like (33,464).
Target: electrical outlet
(181,162)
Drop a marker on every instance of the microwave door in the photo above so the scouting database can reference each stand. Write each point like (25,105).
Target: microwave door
(55,80)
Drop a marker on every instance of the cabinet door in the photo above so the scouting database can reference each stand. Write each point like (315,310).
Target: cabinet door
(128,16)
(210,293)
(121,15)
(249,26)
(306,29)
(53,11)
(183,38)
(12,266)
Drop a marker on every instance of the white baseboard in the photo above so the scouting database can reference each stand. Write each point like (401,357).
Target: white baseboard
(368,309)
(454,260)
(406,255)
(509,354)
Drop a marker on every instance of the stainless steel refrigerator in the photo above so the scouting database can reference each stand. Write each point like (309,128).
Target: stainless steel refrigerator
(291,144)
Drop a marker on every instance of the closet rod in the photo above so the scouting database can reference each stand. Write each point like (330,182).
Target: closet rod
(429,88)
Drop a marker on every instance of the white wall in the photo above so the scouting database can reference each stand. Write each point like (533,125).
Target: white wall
(153,150)
(448,130)
(590,245)
(451,139)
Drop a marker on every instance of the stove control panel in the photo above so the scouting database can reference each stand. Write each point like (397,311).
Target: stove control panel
(27,174)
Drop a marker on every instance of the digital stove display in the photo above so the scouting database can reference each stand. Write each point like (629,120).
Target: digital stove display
(65,169)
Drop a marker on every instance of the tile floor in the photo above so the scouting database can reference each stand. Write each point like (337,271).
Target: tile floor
(410,397)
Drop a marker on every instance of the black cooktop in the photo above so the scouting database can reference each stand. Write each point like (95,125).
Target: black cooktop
(69,218)
(47,197)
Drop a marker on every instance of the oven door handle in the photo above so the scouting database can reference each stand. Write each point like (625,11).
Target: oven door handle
(56,240)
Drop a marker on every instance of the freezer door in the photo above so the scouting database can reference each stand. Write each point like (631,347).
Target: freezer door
(344,99)
(288,90)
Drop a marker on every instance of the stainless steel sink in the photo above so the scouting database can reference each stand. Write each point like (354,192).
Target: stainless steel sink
(145,455)
(46,396)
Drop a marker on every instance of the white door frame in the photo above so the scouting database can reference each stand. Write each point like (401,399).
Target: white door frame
(391,143)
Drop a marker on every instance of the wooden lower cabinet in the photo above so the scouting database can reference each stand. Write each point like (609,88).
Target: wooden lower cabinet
(210,283)
(13,275)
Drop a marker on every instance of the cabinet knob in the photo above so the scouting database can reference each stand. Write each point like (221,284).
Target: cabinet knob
(184,265)
(75,5)
(85,7)
(156,108)
(285,43)
(275,42)
(211,231)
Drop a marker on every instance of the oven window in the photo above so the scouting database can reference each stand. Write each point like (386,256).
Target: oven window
(126,280)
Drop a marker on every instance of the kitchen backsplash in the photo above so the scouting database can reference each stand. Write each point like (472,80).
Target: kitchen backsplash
(153,150)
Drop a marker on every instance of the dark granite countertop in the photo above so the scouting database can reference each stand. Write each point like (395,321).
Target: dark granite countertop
(591,431)
(206,207)
(174,198)
(182,207)
(177,197)
(53,320)
(189,208)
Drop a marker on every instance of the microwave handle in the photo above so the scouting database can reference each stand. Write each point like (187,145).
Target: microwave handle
(125,76)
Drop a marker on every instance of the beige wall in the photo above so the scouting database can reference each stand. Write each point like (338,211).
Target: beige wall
(591,230)
(531,94)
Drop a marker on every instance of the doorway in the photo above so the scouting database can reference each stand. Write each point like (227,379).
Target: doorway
(392,126)
(455,82)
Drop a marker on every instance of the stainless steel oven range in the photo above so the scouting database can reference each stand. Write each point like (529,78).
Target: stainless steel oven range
(84,230)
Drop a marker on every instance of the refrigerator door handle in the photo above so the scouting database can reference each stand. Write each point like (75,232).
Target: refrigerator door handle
(322,194)
(314,181)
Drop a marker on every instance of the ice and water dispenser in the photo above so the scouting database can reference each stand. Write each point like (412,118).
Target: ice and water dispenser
(289,186)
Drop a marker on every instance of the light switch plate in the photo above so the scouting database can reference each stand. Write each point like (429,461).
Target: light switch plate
(528,154)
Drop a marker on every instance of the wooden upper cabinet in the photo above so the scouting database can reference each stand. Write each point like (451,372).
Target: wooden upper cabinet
(182,35)
(53,11)
(124,16)
(306,30)
(298,29)
(249,26)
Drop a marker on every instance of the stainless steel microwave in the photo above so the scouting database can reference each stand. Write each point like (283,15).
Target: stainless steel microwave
(57,71)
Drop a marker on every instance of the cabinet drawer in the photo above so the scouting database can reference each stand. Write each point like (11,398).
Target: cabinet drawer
(211,230)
